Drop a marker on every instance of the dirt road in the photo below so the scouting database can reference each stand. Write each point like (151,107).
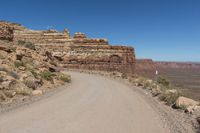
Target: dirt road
(92,104)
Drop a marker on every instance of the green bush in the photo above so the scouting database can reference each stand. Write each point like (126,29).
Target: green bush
(47,75)
(65,78)
(163,81)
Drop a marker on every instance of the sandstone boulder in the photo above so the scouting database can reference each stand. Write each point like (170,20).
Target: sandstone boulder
(183,102)
(192,109)
(37,92)
(172,91)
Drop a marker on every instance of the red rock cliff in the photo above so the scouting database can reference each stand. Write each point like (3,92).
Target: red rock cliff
(79,52)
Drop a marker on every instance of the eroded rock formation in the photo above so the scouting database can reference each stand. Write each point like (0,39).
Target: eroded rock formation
(79,52)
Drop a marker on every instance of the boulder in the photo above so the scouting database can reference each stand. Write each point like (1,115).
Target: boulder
(172,91)
(185,102)
(192,109)
(37,92)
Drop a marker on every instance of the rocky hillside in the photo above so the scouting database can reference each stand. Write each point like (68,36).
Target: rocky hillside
(25,71)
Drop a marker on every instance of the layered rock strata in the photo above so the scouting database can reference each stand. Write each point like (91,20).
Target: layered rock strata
(79,52)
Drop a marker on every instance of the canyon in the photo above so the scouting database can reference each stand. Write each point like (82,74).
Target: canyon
(184,75)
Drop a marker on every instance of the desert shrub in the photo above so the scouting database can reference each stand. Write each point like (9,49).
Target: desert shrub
(169,98)
(3,69)
(23,91)
(30,84)
(47,75)
(34,73)
(21,42)
(13,74)
(163,81)
(124,76)
(65,78)
(19,63)
(29,45)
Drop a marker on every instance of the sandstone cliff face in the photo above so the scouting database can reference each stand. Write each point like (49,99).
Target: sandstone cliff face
(95,54)
(79,52)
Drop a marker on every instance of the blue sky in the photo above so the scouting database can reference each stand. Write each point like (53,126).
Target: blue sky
(166,30)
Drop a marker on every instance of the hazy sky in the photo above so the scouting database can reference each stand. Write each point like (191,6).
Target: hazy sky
(157,29)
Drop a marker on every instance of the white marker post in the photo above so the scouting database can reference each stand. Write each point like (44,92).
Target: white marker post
(156,75)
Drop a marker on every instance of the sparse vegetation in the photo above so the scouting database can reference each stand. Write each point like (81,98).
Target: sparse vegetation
(169,98)
(65,78)
(29,45)
(30,84)
(47,75)
(34,73)
(19,63)
(21,42)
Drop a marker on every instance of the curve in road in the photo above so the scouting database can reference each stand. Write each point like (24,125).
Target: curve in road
(92,104)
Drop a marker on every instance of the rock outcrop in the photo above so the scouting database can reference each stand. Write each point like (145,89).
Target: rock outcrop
(79,52)
(6,31)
